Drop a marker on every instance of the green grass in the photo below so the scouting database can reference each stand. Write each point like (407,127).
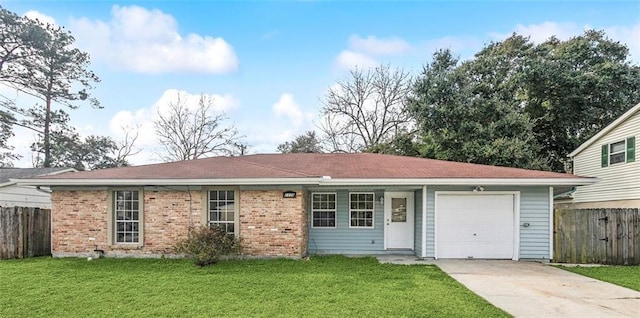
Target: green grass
(321,287)
(626,276)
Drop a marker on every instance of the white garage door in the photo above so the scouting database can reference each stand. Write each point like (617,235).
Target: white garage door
(475,226)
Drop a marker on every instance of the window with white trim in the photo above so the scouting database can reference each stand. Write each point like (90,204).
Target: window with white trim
(127,216)
(361,211)
(622,151)
(222,210)
(323,210)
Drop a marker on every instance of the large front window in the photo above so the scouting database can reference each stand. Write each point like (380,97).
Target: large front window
(323,210)
(361,210)
(222,210)
(127,216)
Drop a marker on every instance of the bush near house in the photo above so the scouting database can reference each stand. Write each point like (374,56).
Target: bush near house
(205,245)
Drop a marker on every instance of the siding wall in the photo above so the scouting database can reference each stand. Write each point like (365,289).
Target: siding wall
(417,247)
(534,209)
(345,240)
(24,196)
(617,182)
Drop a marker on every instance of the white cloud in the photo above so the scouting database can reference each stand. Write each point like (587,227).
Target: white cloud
(372,45)
(38,16)
(147,41)
(287,106)
(142,120)
(361,51)
(349,60)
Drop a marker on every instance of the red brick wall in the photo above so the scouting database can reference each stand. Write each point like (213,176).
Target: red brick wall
(269,224)
(78,216)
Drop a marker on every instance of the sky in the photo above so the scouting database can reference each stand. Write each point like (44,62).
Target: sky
(268,64)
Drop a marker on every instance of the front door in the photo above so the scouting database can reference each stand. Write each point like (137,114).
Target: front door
(398,215)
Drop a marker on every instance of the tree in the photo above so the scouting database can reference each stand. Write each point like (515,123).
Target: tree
(69,149)
(6,120)
(190,132)
(20,40)
(40,60)
(575,88)
(58,73)
(467,112)
(366,109)
(306,143)
(521,104)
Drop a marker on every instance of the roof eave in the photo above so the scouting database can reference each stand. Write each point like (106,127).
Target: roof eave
(605,130)
(178,182)
(466,181)
(310,181)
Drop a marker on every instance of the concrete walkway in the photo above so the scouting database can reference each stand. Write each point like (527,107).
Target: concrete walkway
(528,289)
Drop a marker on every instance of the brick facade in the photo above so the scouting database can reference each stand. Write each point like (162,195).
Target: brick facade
(269,224)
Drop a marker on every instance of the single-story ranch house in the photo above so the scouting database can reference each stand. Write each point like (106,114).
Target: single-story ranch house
(292,205)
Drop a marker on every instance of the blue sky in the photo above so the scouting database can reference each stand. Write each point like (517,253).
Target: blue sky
(268,64)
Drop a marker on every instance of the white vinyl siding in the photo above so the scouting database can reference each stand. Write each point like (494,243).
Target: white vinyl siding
(616,181)
(24,196)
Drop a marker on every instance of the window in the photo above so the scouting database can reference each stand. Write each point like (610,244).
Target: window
(361,210)
(127,216)
(222,210)
(323,210)
(616,152)
(619,152)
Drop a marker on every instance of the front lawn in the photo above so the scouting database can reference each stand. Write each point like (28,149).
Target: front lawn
(626,276)
(321,287)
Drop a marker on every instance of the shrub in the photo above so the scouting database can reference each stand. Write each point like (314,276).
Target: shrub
(205,245)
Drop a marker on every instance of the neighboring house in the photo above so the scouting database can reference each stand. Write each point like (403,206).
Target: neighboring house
(292,205)
(12,194)
(610,156)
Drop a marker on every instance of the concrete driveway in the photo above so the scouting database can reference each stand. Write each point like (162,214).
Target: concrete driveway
(529,289)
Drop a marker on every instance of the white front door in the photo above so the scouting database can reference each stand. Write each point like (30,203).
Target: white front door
(398,215)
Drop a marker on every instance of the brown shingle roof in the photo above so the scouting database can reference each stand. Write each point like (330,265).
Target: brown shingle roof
(336,166)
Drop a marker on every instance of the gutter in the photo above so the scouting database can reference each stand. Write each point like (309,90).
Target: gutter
(328,181)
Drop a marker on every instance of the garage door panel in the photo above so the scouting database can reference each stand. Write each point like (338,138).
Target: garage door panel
(477,226)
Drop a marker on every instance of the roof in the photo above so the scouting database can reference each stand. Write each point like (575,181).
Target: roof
(309,168)
(6,174)
(606,130)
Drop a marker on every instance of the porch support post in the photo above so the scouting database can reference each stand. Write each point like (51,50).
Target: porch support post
(424,221)
(551,221)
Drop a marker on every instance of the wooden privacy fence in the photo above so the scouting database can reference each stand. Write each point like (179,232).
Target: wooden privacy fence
(601,236)
(24,232)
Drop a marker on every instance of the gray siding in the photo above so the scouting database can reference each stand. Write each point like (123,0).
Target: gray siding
(417,246)
(345,240)
(534,209)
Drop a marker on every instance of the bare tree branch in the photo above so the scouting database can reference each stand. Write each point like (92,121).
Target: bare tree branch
(365,110)
(191,134)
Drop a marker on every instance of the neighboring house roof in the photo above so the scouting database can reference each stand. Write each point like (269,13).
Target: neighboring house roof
(606,130)
(303,168)
(6,174)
